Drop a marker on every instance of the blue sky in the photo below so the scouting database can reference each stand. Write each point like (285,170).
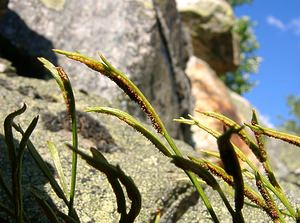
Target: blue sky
(278,32)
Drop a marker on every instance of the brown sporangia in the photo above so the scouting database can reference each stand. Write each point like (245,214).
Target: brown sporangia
(67,92)
(271,206)
(229,180)
(105,69)
(259,139)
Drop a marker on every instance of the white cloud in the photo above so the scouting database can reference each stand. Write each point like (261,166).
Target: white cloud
(294,25)
(271,20)
(266,121)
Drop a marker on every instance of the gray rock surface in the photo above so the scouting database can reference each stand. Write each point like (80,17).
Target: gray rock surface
(209,24)
(143,39)
(6,66)
(162,186)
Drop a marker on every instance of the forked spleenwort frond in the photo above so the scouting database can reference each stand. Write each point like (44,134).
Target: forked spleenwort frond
(265,162)
(261,152)
(105,68)
(64,84)
(43,167)
(125,117)
(114,175)
(16,160)
(264,182)
(57,163)
(16,195)
(232,173)
(206,176)
(258,149)
(232,167)
(292,139)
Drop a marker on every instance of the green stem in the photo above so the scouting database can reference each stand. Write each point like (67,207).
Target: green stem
(268,169)
(192,177)
(18,171)
(203,196)
(157,218)
(19,198)
(171,142)
(74,162)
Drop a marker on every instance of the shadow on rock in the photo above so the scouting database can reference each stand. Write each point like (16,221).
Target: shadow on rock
(31,177)
(12,27)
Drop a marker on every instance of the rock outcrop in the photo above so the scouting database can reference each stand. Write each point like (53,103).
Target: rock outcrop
(144,39)
(209,24)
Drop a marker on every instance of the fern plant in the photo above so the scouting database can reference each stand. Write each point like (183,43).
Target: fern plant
(229,153)
(265,192)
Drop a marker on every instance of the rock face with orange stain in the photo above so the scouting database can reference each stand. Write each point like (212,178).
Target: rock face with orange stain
(211,95)
(209,25)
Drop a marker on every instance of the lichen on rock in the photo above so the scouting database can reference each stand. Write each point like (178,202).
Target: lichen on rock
(54,4)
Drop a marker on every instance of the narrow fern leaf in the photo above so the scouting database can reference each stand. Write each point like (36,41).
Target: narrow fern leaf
(131,121)
(57,163)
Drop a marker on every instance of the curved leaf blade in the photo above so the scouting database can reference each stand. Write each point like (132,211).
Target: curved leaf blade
(131,121)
